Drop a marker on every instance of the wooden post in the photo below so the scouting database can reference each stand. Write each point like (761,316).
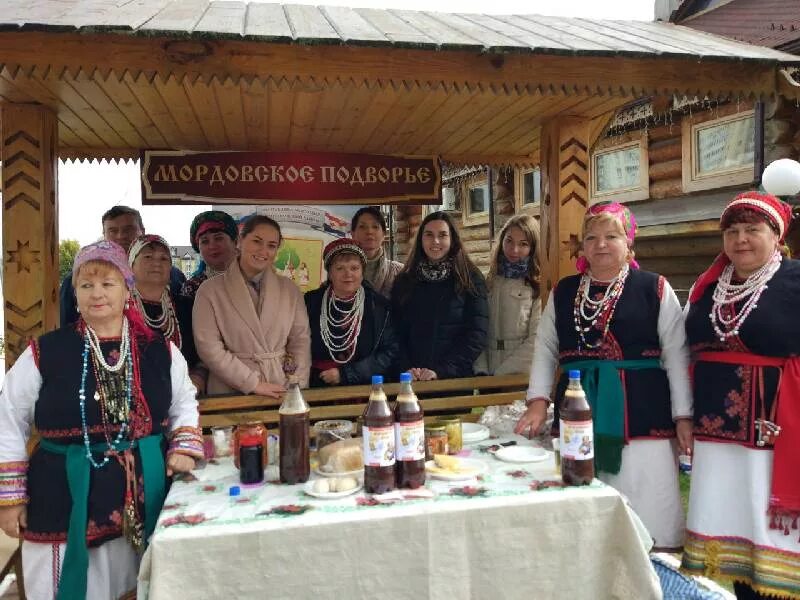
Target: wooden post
(565,195)
(29,155)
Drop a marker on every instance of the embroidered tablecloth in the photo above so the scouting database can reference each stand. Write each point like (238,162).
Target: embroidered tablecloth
(509,533)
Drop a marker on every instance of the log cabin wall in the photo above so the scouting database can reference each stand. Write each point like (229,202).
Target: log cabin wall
(475,234)
(678,229)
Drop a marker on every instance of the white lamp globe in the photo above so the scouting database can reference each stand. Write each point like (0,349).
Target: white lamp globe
(782,177)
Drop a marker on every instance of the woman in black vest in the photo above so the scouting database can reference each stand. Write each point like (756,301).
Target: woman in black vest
(352,337)
(744,333)
(110,399)
(625,326)
(440,304)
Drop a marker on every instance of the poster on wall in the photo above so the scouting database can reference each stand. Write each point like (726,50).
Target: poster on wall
(306,231)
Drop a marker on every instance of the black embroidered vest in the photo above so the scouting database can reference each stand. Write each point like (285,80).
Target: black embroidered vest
(633,335)
(59,356)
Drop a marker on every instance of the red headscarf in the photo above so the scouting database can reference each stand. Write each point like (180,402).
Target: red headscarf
(775,211)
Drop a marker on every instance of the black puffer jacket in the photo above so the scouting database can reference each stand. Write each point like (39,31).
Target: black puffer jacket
(377,348)
(439,328)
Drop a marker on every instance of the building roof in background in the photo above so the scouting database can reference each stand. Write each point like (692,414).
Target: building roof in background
(292,23)
(770,23)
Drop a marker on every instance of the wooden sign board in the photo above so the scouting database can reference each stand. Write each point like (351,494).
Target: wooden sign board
(183,177)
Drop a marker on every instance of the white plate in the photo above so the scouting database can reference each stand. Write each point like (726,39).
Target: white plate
(357,473)
(472,433)
(521,454)
(308,488)
(472,468)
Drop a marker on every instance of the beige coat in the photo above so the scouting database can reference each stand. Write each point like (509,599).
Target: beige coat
(239,348)
(513,318)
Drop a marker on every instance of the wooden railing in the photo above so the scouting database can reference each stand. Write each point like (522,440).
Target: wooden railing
(441,397)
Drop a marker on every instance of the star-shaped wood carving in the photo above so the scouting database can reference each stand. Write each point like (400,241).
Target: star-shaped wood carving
(573,245)
(23,256)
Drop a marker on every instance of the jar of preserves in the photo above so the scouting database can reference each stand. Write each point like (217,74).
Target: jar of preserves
(250,429)
(251,459)
(435,440)
(453,427)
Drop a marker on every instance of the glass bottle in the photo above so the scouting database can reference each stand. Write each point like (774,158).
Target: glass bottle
(576,441)
(378,441)
(293,425)
(409,437)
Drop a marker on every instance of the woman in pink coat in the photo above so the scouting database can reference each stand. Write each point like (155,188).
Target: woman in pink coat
(250,324)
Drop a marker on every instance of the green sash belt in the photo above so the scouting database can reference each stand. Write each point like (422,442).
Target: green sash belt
(601,381)
(76,557)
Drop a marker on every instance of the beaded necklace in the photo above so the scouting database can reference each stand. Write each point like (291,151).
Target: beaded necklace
(91,346)
(349,323)
(724,319)
(591,311)
(166,322)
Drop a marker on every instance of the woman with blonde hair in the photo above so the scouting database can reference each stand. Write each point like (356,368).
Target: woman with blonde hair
(514,299)
(623,329)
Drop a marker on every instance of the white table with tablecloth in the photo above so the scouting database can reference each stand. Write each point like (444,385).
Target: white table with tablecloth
(505,534)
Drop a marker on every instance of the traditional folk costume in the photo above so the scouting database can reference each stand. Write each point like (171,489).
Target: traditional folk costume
(106,411)
(627,338)
(745,498)
(210,221)
(160,316)
(354,335)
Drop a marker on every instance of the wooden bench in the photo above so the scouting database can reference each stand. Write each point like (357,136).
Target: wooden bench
(438,398)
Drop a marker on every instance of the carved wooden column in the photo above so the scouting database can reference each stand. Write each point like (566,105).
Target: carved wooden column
(28,151)
(565,195)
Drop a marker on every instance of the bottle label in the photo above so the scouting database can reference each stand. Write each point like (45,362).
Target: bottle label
(410,440)
(576,440)
(378,446)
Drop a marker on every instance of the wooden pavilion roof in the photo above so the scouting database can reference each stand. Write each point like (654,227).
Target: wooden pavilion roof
(199,75)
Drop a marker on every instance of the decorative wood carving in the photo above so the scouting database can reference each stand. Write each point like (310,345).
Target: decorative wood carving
(565,194)
(28,145)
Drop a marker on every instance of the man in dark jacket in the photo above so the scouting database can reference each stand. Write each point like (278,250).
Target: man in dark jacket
(121,224)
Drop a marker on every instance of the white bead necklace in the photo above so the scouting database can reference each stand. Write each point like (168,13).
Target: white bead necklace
(349,322)
(166,322)
(724,320)
(597,306)
(124,344)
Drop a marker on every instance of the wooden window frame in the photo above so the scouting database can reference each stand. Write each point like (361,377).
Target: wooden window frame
(534,209)
(692,181)
(640,191)
(469,218)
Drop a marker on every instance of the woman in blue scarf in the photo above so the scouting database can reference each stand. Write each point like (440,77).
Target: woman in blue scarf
(514,299)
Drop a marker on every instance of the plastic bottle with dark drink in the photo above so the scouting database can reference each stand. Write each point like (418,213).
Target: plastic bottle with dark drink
(576,441)
(378,440)
(409,437)
(294,440)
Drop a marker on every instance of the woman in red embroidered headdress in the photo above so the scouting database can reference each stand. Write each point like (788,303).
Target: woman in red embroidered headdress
(103,394)
(352,337)
(745,339)
(623,329)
